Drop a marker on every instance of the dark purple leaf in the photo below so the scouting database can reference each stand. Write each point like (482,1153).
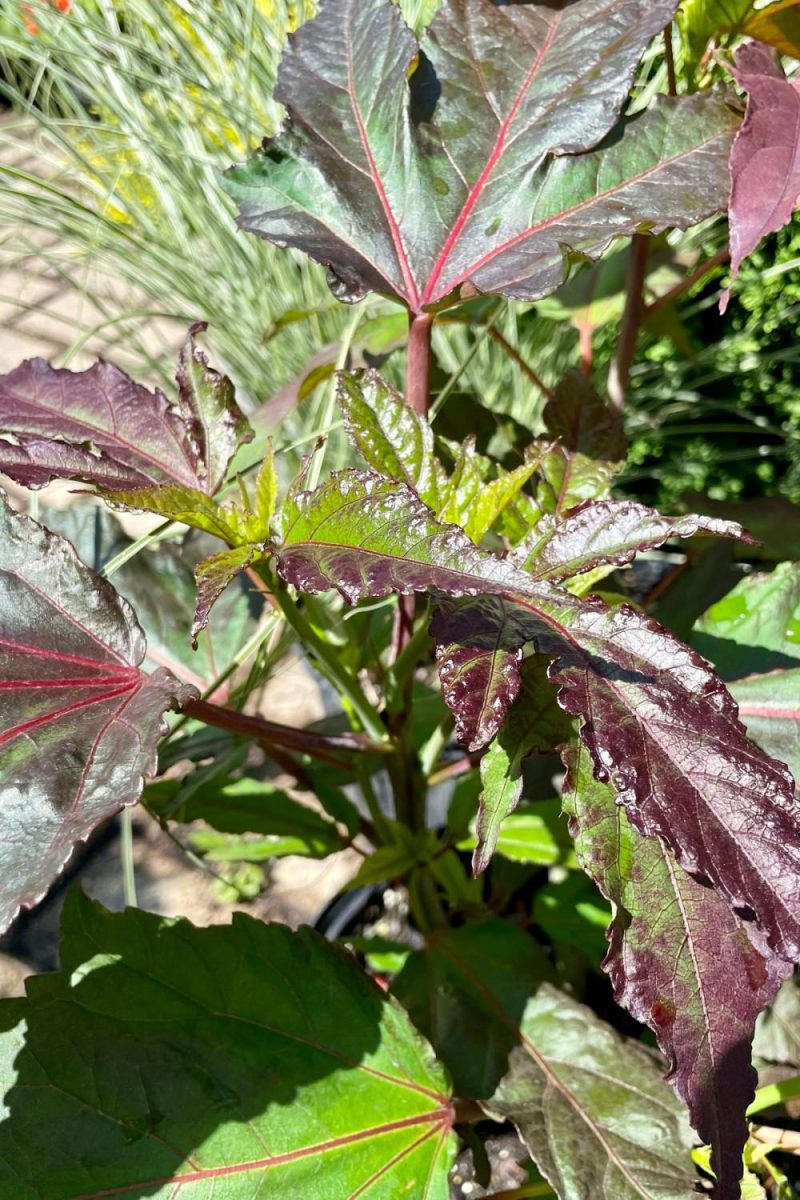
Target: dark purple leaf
(79,722)
(478,684)
(765,159)
(607,531)
(681,961)
(534,723)
(472,170)
(99,427)
(657,720)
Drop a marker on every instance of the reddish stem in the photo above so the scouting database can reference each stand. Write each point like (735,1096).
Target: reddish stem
(688,281)
(418,371)
(620,372)
(586,345)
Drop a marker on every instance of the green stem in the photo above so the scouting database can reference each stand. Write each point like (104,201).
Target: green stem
(126,856)
(329,666)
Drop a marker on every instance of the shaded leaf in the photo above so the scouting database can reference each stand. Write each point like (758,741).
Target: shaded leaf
(769,705)
(214,574)
(164,1058)
(391,438)
(701,20)
(765,159)
(607,531)
(573,914)
(241,806)
(777,1038)
(452,990)
(79,721)
(681,961)
(755,627)
(534,723)
(441,169)
(100,427)
(590,446)
(657,720)
(533,833)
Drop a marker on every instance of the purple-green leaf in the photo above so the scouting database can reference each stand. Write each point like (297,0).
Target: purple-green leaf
(475,162)
(479,682)
(79,721)
(99,427)
(657,720)
(765,159)
(680,960)
(534,723)
(607,531)
(213,574)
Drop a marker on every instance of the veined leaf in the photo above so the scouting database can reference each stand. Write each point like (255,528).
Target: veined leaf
(79,721)
(391,438)
(100,427)
(657,720)
(591,1108)
(534,723)
(765,159)
(226,1061)
(607,532)
(681,961)
(473,169)
(479,683)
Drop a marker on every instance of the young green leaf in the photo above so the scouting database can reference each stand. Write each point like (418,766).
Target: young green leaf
(463,174)
(99,427)
(225,1061)
(534,723)
(681,961)
(79,721)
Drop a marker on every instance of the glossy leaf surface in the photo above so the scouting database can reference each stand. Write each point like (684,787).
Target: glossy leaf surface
(226,1062)
(79,721)
(607,532)
(765,160)
(681,961)
(657,720)
(100,427)
(471,172)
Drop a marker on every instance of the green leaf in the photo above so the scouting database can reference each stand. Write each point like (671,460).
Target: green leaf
(756,627)
(249,806)
(777,1038)
(391,438)
(226,1062)
(532,833)
(534,722)
(777,25)
(590,446)
(572,913)
(594,1113)
(769,705)
(454,988)
(213,575)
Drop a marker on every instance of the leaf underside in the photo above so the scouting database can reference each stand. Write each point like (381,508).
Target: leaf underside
(238,1061)
(480,168)
(79,721)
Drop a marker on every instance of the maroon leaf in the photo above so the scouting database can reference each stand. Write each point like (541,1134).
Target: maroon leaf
(607,531)
(681,961)
(479,684)
(657,720)
(79,721)
(100,427)
(470,167)
(765,159)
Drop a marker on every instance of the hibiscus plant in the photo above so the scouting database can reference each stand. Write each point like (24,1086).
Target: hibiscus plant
(506,720)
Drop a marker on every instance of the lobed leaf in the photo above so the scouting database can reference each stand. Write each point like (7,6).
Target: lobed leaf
(99,427)
(464,164)
(612,532)
(681,961)
(765,159)
(591,1108)
(79,721)
(225,1061)
(657,720)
